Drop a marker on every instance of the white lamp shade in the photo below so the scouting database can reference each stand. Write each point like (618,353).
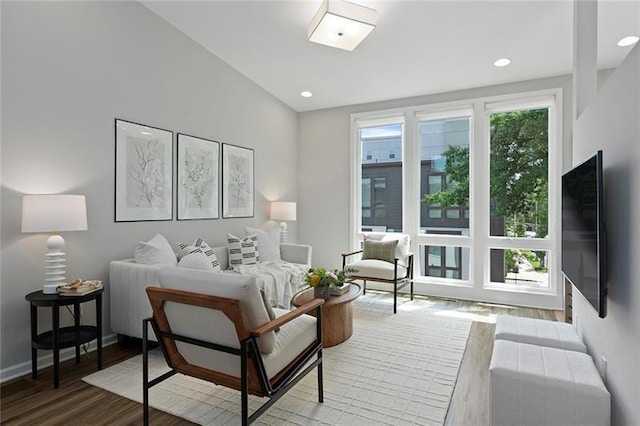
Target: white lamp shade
(281,210)
(341,24)
(54,213)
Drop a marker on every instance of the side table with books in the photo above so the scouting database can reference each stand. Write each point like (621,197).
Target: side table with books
(59,338)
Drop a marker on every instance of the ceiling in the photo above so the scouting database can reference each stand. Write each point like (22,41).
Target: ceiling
(417,48)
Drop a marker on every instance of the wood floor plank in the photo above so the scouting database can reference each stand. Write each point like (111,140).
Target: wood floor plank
(29,402)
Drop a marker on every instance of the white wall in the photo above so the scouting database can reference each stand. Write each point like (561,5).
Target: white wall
(69,69)
(323,154)
(610,122)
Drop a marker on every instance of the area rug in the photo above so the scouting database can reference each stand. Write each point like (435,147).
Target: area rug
(395,370)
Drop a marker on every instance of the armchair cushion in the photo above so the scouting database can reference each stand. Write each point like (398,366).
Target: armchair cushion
(241,287)
(404,242)
(293,338)
(381,250)
(375,268)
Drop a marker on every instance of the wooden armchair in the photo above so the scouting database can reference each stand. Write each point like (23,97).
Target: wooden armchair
(385,258)
(223,334)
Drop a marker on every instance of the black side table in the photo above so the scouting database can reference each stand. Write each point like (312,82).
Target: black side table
(59,338)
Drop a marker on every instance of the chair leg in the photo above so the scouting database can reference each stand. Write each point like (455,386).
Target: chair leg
(364,287)
(244,384)
(320,385)
(145,373)
(395,296)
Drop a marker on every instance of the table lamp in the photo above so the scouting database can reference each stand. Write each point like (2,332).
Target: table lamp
(281,210)
(54,213)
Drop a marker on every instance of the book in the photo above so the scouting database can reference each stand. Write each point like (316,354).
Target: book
(80,290)
(340,290)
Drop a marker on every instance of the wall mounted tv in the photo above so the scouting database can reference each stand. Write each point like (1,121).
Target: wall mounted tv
(583,231)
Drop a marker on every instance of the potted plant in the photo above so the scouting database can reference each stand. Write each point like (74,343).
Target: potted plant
(324,281)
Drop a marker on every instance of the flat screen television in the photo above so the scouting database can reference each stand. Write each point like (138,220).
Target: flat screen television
(583,231)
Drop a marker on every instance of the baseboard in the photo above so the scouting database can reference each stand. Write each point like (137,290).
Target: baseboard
(45,361)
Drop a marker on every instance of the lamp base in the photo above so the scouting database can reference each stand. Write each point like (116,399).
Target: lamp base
(283,232)
(50,288)
(55,265)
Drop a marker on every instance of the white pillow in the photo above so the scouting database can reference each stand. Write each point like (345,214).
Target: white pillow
(156,251)
(200,246)
(243,251)
(196,260)
(268,243)
(404,241)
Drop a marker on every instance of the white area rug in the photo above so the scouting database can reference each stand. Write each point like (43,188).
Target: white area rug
(395,369)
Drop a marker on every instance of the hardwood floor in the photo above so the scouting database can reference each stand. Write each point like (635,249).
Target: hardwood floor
(29,402)
(34,402)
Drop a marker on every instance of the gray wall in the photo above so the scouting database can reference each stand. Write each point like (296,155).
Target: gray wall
(69,69)
(324,138)
(610,123)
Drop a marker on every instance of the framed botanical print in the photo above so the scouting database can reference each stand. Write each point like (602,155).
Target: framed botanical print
(144,172)
(198,178)
(237,181)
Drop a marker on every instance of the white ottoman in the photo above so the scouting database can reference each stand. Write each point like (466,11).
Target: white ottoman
(537,385)
(539,332)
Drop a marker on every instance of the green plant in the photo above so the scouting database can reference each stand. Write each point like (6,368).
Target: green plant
(320,277)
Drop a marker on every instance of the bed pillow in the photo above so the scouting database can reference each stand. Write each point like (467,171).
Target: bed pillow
(196,260)
(243,251)
(380,250)
(156,251)
(200,246)
(268,243)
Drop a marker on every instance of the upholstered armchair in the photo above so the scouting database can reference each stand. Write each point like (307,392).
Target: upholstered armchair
(223,334)
(385,258)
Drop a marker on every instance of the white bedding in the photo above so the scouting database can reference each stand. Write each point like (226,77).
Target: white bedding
(280,280)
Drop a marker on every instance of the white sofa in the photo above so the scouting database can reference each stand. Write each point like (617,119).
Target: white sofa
(128,280)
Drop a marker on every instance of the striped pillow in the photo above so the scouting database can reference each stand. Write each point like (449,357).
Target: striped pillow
(200,246)
(243,251)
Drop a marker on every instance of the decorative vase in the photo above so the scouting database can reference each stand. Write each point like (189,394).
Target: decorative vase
(322,292)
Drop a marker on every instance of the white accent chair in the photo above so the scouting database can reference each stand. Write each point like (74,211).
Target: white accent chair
(222,333)
(397,271)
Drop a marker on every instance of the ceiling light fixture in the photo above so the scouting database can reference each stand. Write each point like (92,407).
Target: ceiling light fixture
(628,41)
(502,62)
(341,24)
(306,94)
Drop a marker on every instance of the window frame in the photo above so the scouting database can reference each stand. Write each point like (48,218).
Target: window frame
(479,243)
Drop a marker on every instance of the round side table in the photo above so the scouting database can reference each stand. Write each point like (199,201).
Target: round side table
(337,314)
(59,338)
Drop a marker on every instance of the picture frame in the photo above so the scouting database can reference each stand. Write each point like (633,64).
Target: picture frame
(198,178)
(143,172)
(237,181)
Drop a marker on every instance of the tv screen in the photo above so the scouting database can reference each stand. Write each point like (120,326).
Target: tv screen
(583,231)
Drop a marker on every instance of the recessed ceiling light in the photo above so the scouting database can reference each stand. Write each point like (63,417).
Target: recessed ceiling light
(628,41)
(306,94)
(146,133)
(502,62)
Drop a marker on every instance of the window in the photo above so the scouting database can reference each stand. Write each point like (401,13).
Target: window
(444,167)
(381,178)
(519,194)
(476,184)
(366,197)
